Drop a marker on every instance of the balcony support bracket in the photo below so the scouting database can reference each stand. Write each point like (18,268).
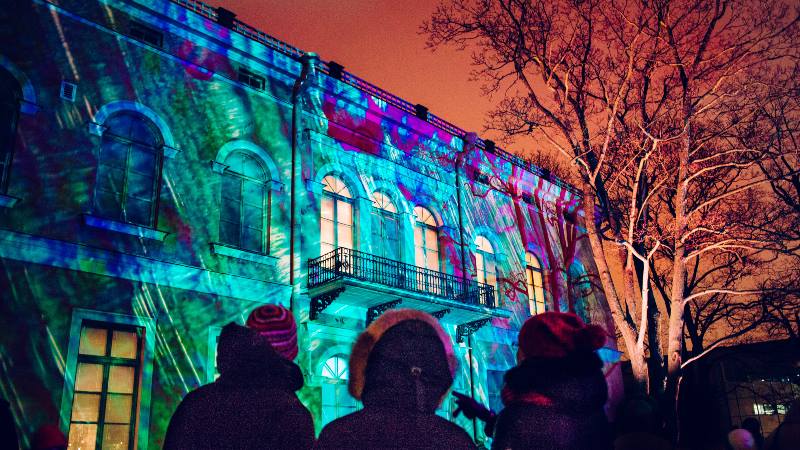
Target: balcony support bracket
(440,314)
(466,329)
(377,310)
(320,302)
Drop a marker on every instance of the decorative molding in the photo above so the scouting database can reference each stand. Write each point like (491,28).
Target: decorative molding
(80,315)
(7,201)
(322,301)
(233,252)
(125,228)
(375,311)
(252,148)
(466,329)
(136,268)
(218,167)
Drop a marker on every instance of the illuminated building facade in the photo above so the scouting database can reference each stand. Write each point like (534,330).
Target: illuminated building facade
(166,169)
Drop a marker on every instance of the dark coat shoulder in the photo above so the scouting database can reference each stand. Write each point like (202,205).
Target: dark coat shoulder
(374,428)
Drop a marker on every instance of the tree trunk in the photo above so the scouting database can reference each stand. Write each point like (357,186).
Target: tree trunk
(625,328)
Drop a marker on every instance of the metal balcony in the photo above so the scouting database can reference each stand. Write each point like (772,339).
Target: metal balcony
(356,278)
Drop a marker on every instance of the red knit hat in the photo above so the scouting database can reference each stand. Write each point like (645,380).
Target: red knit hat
(558,335)
(276,323)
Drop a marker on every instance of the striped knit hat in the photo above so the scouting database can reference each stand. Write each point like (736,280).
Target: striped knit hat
(276,323)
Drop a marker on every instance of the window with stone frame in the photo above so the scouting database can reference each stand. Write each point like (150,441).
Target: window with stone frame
(385,227)
(336,215)
(106,390)
(246,201)
(129,170)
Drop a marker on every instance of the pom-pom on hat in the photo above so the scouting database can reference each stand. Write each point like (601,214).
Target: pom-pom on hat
(558,335)
(277,324)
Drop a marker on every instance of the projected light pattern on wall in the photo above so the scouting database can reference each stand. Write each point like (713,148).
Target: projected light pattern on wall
(148,186)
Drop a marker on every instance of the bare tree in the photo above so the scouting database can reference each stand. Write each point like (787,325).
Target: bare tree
(646,100)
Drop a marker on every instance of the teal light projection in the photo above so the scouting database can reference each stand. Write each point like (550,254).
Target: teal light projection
(159,202)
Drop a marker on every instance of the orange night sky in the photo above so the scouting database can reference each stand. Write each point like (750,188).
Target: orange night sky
(378,40)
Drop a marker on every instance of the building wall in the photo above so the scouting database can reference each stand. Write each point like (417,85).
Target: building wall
(63,263)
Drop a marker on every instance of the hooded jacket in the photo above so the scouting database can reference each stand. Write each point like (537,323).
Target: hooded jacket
(401,367)
(252,404)
(554,403)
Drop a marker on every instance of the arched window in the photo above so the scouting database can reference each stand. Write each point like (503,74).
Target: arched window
(426,240)
(10,98)
(486,263)
(336,219)
(385,227)
(534,283)
(245,210)
(129,169)
(336,401)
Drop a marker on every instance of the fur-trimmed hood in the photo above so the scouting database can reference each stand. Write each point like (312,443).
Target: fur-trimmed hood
(404,355)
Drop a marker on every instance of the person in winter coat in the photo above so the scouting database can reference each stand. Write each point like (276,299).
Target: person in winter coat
(555,395)
(253,403)
(401,367)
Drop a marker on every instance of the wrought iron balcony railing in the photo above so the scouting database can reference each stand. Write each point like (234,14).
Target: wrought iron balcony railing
(346,263)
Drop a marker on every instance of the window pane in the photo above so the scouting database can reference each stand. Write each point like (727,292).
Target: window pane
(140,186)
(142,131)
(138,211)
(89,377)
(327,208)
(345,236)
(431,239)
(252,239)
(231,188)
(118,408)
(123,344)
(325,248)
(326,232)
(479,268)
(143,160)
(253,193)
(253,216)
(114,153)
(230,211)
(433,260)
(229,233)
(418,232)
(419,256)
(108,204)
(344,212)
(252,169)
(115,437)
(120,379)
(85,407)
(110,179)
(93,341)
(82,436)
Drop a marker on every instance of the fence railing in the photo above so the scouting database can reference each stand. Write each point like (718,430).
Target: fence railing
(353,264)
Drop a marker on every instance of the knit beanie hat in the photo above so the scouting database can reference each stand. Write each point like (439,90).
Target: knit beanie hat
(558,335)
(741,439)
(277,324)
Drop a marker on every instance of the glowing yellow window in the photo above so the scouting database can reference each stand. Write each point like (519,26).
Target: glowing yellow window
(104,403)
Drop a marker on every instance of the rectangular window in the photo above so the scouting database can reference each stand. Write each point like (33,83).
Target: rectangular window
(142,32)
(106,391)
(251,79)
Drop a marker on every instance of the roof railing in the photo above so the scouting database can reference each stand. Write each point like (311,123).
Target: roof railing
(273,43)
